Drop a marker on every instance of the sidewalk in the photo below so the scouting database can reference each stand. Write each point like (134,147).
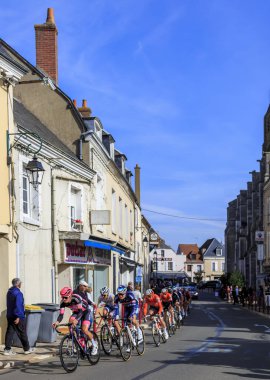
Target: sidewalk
(42,351)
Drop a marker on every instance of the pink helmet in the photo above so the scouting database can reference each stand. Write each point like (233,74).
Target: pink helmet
(65,292)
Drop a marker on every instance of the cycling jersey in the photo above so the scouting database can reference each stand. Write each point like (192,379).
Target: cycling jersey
(166,297)
(107,302)
(175,298)
(154,303)
(77,305)
(130,303)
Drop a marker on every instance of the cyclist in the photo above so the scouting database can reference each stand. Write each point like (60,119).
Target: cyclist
(106,300)
(80,312)
(153,301)
(166,299)
(176,301)
(131,306)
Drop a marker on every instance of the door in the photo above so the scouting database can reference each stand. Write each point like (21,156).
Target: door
(100,280)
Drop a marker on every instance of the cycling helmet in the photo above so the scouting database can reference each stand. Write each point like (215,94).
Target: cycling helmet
(104,290)
(65,292)
(149,292)
(170,290)
(164,290)
(121,289)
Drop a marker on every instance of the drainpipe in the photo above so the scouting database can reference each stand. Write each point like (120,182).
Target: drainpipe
(53,242)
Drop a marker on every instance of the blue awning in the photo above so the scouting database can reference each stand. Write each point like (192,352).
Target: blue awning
(97,244)
(118,250)
(100,245)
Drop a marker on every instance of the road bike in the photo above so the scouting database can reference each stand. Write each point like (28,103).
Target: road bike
(178,318)
(156,329)
(168,322)
(128,340)
(108,335)
(75,345)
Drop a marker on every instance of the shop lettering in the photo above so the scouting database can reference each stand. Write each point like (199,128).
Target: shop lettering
(75,250)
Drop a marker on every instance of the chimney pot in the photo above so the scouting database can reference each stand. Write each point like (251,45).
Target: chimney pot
(84,110)
(50,16)
(75,102)
(84,103)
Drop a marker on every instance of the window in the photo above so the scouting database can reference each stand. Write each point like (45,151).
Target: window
(113,211)
(120,213)
(30,199)
(223,267)
(219,251)
(131,225)
(154,265)
(199,268)
(214,266)
(193,256)
(162,253)
(126,224)
(170,265)
(75,206)
(189,268)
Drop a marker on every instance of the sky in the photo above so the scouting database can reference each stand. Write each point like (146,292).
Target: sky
(182,85)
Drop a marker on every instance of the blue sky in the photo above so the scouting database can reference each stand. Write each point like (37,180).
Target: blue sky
(183,87)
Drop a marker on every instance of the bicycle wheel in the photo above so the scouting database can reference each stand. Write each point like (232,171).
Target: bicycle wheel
(177,319)
(163,338)
(106,339)
(140,344)
(125,344)
(69,353)
(93,357)
(156,333)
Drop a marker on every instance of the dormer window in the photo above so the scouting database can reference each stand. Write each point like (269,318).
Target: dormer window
(218,251)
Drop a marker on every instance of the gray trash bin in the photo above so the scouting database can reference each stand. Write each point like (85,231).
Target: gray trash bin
(46,333)
(33,318)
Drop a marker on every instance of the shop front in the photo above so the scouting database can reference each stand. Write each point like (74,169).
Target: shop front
(86,260)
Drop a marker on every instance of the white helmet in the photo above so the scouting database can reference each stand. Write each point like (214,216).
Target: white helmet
(104,290)
(148,292)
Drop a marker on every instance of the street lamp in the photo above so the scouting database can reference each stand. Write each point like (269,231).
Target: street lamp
(145,242)
(34,168)
(35,172)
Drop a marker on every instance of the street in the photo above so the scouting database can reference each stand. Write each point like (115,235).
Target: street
(218,341)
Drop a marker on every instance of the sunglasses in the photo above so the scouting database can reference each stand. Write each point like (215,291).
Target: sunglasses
(120,294)
(65,298)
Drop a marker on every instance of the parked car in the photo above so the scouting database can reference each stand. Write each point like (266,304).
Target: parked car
(214,284)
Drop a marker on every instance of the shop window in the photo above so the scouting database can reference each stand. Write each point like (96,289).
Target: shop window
(30,199)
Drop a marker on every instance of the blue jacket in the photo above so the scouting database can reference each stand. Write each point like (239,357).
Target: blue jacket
(15,303)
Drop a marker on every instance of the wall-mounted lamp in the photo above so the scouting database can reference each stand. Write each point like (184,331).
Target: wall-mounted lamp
(34,168)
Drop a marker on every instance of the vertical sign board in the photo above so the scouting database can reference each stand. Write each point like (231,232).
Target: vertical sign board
(260,252)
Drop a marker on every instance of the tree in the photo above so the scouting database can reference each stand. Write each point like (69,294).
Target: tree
(235,278)
(198,276)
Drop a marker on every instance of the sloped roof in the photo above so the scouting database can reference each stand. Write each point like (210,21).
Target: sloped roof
(187,248)
(31,123)
(211,248)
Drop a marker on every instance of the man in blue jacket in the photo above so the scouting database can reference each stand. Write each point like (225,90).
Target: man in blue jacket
(16,318)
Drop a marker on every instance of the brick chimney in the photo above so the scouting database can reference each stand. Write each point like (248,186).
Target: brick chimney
(47,46)
(138,183)
(84,110)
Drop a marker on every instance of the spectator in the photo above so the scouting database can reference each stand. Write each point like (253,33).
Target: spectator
(137,293)
(16,319)
(130,286)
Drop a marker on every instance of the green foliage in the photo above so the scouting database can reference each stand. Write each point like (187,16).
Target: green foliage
(234,278)
(198,276)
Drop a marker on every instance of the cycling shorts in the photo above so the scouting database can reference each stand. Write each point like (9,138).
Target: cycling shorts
(154,309)
(86,318)
(166,305)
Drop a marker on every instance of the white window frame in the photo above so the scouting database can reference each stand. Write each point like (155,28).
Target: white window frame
(170,264)
(126,224)
(120,216)
(79,188)
(114,219)
(28,217)
(214,265)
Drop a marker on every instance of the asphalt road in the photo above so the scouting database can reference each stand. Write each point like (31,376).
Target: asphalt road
(218,341)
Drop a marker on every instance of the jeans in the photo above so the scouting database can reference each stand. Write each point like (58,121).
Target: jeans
(20,330)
